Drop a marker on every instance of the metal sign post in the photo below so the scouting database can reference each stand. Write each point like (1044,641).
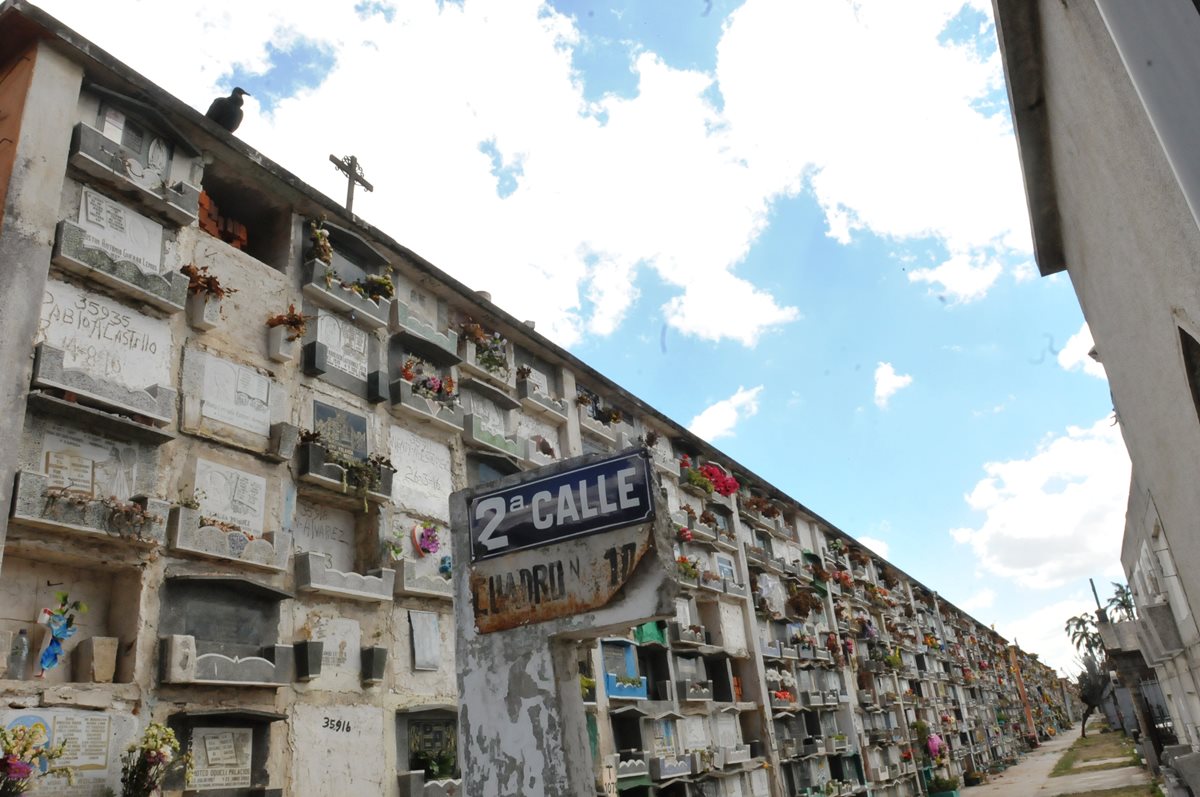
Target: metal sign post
(571,551)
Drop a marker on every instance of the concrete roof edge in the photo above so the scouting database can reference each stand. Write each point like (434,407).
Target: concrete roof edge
(1019,33)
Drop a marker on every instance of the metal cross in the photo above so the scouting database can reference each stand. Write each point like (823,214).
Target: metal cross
(350,167)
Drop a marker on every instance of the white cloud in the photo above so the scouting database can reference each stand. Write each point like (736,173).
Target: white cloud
(982,598)
(961,278)
(856,102)
(888,383)
(1025,271)
(877,545)
(1074,356)
(1042,632)
(719,419)
(910,155)
(1057,516)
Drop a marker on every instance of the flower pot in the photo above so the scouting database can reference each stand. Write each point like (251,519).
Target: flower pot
(279,348)
(203,311)
(308,659)
(95,660)
(374,663)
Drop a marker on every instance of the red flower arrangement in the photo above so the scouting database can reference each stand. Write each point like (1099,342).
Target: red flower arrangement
(722,483)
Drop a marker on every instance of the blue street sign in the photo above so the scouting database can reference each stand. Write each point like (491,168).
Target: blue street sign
(601,496)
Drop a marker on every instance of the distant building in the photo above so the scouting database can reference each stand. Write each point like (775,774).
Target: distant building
(264,583)
(1104,103)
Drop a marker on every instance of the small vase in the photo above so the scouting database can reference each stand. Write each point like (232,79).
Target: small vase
(279,348)
(203,311)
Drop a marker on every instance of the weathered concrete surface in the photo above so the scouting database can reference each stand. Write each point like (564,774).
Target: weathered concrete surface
(522,728)
(31,210)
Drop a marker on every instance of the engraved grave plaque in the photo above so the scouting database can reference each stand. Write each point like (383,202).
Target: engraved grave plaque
(221,758)
(346,345)
(325,530)
(123,235)
(422,480)
(231,496)
(235,395)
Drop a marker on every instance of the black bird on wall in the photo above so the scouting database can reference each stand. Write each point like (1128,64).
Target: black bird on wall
(227,111)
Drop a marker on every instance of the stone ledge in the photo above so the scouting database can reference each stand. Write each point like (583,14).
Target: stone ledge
(166,291)
(181,663)
(32,506)
(98,420)
(413,784)
(105,160)
(269,552)
(408,582)
(470,367)
(405,402)
(420,337)
(313,574)
(316,469)
(155,402)
(554,410)
(361,310)
(474,434)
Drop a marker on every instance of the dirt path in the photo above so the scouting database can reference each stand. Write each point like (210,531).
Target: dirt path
(1032,775)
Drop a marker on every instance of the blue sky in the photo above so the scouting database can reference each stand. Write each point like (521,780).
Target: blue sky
(798,228)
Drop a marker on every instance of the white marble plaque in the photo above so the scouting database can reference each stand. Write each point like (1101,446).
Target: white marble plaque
(663,454)
(539,380)
(231,496)
(695,732)
(423,306)
(683,611)
(222,758)
(343,751)
(89,464)
(341,639)
(94,743)
(236,395)
(104,339)
(532,427)
(346,345)
(86,736)
(426,640)
(486,411)
(733,631)
(124,235)
(325,530)
(727,735)
(422,480)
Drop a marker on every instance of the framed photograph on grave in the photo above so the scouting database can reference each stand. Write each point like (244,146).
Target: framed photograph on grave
(341,430)
(725,567)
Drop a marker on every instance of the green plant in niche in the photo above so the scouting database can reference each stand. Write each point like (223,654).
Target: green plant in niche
(586,684)
(937,785)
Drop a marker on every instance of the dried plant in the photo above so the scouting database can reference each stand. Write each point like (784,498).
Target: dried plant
(202,281)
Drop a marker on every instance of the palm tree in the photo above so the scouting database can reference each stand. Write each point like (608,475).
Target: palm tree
(1093,688)
(1121,603)
(1084,634)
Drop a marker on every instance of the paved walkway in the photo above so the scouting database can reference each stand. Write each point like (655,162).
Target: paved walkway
(1031,776)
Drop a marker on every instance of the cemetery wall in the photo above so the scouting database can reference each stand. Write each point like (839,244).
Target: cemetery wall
(258,525)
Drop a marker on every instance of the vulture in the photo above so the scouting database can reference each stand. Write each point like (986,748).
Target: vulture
(227,111)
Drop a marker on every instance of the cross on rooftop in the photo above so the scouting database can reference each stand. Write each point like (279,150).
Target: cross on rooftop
(350,167)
